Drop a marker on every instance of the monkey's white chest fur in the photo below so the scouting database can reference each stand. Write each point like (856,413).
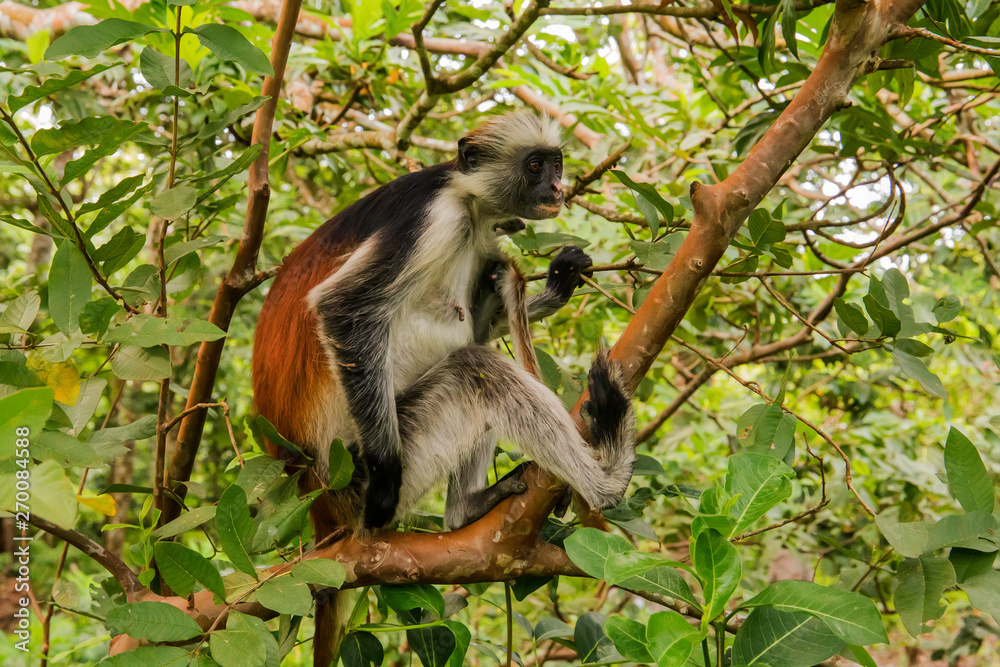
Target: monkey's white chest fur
(435,319)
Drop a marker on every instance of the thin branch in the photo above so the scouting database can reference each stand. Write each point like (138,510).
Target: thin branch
(110,562)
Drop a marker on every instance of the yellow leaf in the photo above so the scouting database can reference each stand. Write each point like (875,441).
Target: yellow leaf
(105,504)
(62,377)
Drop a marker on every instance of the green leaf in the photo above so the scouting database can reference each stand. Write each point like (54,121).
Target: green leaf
(765,230)
(852,316)
(972,530)
(216,126)
(236,529)
(154,621)
(629,637)
(917,370)
(121,249)
(761,482)
(946,309)
(244,622)
(69,287)
(789,16)
(591,643)
(663,580)
(285,595)
(463,637)
(182,568)
(229,44)
(590,549)
(174,202)
(20,313)
(341,465)
(158,69)
(257,475)
(968,479)
(433,645)
(320,572)
(623,566)
(648,201)
(278,525)
(64,449)
(149,331)
(137,363)
(112,195)
(108,144)
(984,592)
(107,131)
(110,213)
(853,617)
(185,522)
(404,598)
(789,639)
(53,495)
(656,255)
(671,638)
(922,582)
(219,178)
(718,566)
(767,429)
(178,250)
(970,563)
(237,648)
(909,539)
(53,85)
(91,40)
(150,656)
(361,649)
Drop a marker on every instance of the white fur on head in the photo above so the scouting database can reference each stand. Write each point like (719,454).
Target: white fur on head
(512,132)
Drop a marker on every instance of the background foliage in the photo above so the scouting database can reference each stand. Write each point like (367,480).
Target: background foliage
(123,192)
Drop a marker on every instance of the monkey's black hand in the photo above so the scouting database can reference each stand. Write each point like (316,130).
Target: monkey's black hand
(565,271)
(385,476)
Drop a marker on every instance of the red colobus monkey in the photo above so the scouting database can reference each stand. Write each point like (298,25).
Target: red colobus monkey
(374,332)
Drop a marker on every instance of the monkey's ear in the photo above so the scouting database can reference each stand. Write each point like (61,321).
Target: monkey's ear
(468,155)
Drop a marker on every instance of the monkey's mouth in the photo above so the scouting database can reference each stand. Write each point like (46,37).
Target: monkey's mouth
(550,210)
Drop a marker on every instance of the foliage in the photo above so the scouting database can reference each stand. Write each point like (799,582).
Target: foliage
(854,425)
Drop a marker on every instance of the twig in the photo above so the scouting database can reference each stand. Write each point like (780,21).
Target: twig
(909,32)
(583,180)
(110,562)
(752,386)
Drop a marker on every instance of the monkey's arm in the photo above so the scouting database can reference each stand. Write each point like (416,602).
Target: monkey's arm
(488,317)
(354,313)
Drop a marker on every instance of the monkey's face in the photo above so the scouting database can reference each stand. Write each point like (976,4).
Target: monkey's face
(536,192)
(523,182)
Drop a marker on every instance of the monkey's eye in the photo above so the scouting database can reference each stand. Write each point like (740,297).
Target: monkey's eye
(535,165)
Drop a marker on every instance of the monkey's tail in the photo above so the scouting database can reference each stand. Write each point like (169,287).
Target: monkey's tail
(608,411)
(331,604)
(513,294)
(330,620)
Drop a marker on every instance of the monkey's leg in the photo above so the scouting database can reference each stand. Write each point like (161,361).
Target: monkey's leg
(443,416)
(469,498)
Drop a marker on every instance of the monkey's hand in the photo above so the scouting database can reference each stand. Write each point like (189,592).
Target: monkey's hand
(565,271)
(385,476)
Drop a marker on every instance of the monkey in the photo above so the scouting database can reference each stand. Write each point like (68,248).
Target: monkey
(375,332)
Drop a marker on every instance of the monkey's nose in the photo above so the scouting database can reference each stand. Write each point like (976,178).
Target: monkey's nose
(556,188)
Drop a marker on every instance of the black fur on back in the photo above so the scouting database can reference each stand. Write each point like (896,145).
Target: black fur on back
(395,208)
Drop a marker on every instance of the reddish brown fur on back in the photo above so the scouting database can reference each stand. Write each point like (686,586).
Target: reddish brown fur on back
(291,375)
